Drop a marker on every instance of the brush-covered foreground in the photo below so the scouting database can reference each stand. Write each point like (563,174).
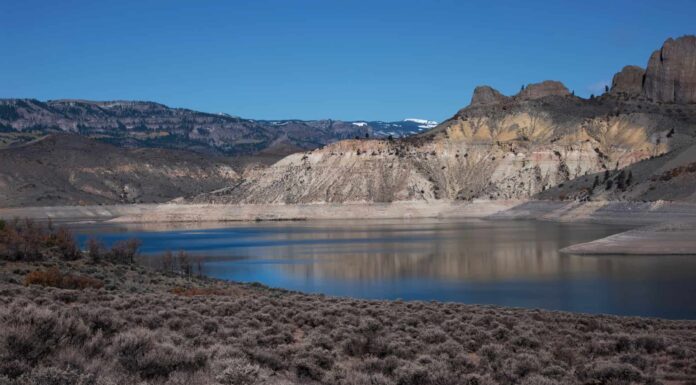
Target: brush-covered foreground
(107,321)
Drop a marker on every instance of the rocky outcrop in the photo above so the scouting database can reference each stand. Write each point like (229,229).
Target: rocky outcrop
(671,73)
(628,82)
(543,89)
(484,95)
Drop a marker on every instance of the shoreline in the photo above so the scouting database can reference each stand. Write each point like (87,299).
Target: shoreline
(609,212)
(650,237)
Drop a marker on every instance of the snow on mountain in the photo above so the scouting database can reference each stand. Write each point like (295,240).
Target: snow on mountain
(422,123)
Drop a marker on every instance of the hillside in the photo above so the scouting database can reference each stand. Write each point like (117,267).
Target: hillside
(498,147)
(72,170)
(148,124)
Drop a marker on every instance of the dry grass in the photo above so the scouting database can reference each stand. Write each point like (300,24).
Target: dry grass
(149,327)
(146,327)
(196,291)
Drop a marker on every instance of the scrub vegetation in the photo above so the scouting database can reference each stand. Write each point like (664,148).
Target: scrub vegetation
(94,317)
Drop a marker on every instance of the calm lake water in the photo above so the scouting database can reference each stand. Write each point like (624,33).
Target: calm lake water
(510,263)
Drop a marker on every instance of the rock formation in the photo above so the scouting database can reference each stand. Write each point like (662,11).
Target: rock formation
(543,89)
(628,82)
(496,151)
(487,95)
(671,73)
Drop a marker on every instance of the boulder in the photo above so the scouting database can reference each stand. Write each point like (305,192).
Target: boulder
(671,73)
(543,89)
(487,95)
(629,81)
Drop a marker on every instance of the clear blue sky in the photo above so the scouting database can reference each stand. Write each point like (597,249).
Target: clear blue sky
(336,59)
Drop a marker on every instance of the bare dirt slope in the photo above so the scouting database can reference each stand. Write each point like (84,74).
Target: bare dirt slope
(73,170)
(508,150)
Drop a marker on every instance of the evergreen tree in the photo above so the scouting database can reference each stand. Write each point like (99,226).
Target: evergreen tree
(621,181)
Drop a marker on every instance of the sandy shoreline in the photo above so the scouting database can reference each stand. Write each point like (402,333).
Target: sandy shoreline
(148,213)
(655,234)
(662,239)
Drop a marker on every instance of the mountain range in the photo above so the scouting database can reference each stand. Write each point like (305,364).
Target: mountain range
(149,124)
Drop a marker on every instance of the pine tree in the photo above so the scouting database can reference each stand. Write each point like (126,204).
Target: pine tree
(621,180)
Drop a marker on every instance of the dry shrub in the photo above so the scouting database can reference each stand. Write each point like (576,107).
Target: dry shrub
(54,278)
(63,240)
(196,291)
(124,251)
(139,353)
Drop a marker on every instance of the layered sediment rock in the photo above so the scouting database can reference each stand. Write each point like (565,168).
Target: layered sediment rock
(498,151)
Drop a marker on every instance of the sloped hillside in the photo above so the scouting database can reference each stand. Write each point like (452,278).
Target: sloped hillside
(511,150)
(72,170)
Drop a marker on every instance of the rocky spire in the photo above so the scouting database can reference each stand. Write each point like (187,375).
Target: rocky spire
(629,81)
(671,73)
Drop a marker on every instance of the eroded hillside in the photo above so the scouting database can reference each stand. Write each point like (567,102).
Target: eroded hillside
(73,170)
(510,150)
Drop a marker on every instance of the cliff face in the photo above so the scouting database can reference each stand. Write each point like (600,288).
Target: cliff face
(487,95)
(671,73)
(628,81)
(498,151)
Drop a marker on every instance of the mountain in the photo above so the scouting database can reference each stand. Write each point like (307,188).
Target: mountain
(499,147)
(148,124)
(68,169)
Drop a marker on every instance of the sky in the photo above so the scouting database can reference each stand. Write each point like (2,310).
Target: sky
(315,59)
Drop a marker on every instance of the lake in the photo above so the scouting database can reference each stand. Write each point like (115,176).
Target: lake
(509,263)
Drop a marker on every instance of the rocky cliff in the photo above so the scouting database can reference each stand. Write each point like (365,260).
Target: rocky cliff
(628,82)
(671,73)
(498,147)
(543,89)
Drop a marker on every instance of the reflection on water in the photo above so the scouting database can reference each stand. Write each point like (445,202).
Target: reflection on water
(512,263)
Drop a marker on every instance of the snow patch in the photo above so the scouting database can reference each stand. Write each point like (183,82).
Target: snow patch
(360,124)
